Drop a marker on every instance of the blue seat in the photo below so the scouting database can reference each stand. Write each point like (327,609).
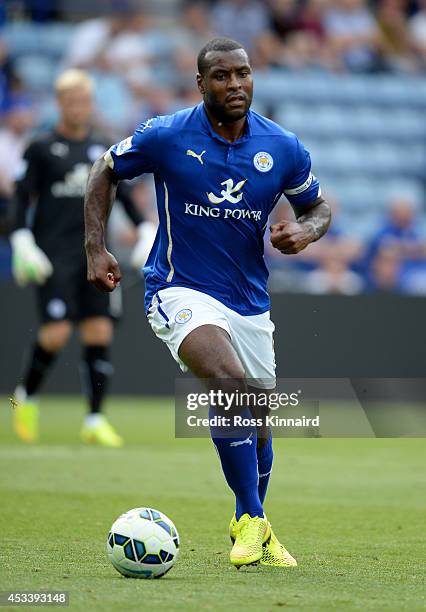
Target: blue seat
(55,38)
(111,88)
(361,226)
(384,91)
(323,121)
(38,72)
(22,38)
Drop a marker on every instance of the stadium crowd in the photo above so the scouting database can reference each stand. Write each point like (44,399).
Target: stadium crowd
(142,57)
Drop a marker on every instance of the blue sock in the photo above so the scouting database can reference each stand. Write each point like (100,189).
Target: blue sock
(265,457)
(237,453)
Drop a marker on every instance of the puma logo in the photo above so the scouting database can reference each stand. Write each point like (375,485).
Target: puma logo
(199,157)
(241,442)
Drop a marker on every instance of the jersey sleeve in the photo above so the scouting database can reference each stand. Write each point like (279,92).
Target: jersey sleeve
(136,154)
(301,187)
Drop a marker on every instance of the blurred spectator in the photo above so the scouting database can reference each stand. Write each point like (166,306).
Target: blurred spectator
(156,100)
(296,35)
(117,50)
(190,36)
(396,258)
(10,84)
(302,50)
(37,10)
(413,281)
(188,95)
(417,28)
(397,46)
(284,17)
(243,20)
(289,16)
(324,266)
(4,81)
(90,39)
(18,119)
(127,46)
(400,231)
(338,241)
(333,276)
(144,64)
(311,18)
(42,10)
(353,34)
(128,51)
(385,271)
(111,43)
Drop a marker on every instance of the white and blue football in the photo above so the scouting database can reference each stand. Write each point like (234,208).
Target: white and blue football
(143,543)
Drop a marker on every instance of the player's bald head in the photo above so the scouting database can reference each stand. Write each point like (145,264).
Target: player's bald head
(208,53)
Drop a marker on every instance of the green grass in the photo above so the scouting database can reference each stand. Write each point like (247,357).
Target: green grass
(351,511)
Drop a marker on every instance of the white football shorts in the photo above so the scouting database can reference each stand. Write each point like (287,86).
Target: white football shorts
(176,311)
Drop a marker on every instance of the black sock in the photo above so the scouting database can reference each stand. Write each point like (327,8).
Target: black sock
(95,372)
(37,369)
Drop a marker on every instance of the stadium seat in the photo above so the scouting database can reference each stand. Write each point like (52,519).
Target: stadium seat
(50,39)
(275,87)
(22,38)
(325,121)
(55,38)
(110,87)
(358,122)
(355,156)
(361,226)
(37,72)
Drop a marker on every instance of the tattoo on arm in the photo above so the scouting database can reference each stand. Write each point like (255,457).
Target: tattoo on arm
(100,195)
(317,219)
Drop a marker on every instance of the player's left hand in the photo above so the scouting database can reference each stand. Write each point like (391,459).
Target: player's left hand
(290,237)
(103,270)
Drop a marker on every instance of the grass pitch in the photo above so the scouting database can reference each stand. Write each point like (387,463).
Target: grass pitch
(351,512)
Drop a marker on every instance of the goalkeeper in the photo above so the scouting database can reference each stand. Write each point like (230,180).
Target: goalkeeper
(50,254)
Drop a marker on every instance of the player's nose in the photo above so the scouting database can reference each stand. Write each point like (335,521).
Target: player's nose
(234,82)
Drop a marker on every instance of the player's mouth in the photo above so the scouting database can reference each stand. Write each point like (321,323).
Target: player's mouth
(236,100)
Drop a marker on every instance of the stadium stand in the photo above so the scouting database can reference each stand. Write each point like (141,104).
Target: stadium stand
(365,130)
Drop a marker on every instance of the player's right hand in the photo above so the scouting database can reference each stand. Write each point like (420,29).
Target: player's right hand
(103,270)
(29,263)
(291,237)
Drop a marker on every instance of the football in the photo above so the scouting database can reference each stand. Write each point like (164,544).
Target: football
(143,543)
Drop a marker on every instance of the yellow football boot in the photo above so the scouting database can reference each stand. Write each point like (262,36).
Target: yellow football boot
(101,433)
(25,417)
(273,554)
(251,534)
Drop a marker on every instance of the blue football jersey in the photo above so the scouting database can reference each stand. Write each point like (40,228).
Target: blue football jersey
(214,198)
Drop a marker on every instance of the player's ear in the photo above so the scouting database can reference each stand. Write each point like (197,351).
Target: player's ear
(200,84)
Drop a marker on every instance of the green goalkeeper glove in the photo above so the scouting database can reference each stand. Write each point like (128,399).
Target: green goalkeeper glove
(29,263)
